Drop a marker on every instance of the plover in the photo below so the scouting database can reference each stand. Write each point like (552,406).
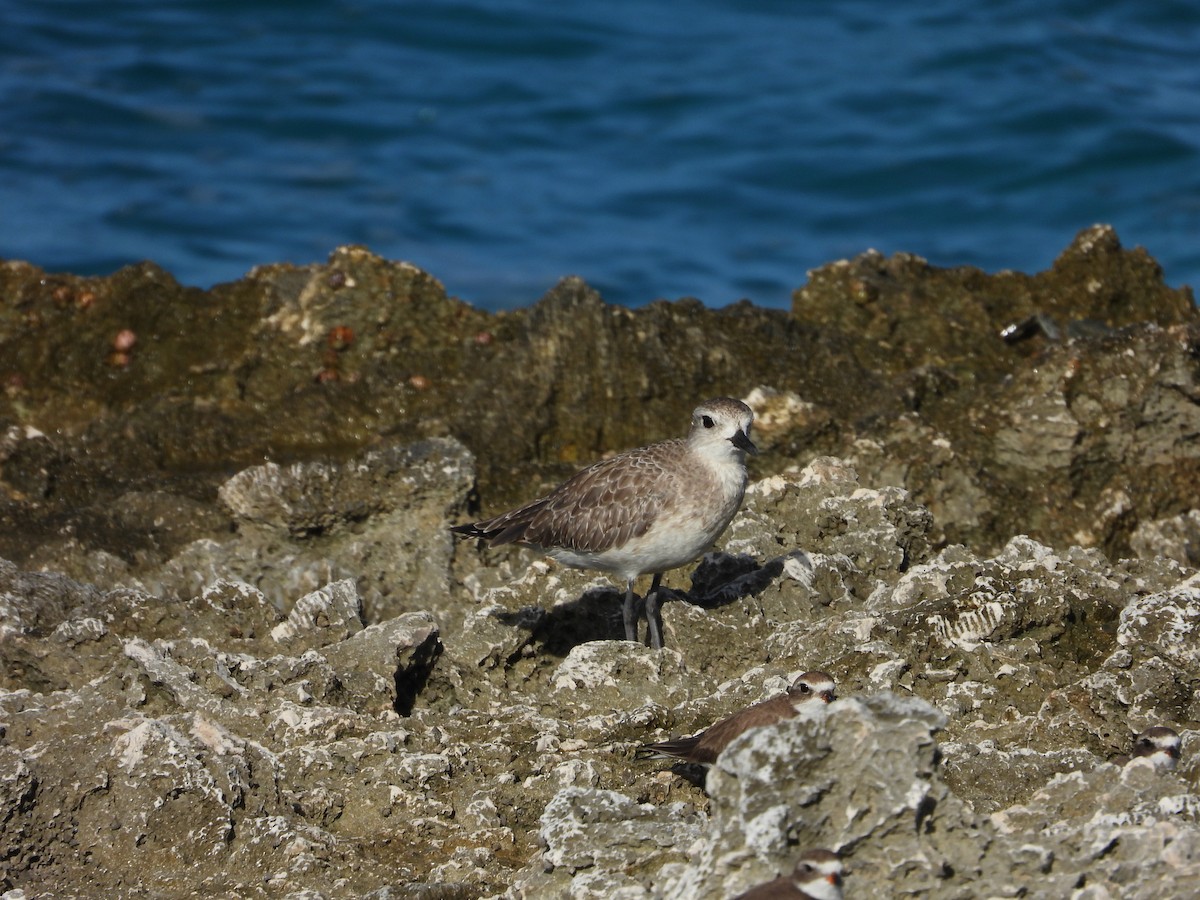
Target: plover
(1159,743)
(643,512)
(705,747)
(817,876)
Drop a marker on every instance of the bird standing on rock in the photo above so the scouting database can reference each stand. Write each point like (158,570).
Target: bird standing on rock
(645,511)
(705,747)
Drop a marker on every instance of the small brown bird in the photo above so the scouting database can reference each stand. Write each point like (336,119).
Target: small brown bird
(643,512)
(705,747)
(817,876)
(1159,743)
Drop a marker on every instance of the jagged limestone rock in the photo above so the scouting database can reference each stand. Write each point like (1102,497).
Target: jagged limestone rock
(908,450)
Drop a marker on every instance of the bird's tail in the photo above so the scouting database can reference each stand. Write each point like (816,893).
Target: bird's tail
(676,749)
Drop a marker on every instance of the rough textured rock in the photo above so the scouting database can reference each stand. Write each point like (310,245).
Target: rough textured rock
(586,828)
(214,744)
(378,521)
(1079,433)
(859,774)
(240,654)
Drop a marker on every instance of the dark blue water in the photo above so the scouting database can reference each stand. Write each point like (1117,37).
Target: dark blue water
(716,149)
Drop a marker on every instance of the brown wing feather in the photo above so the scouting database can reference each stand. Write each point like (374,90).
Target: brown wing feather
(706,746)
(720,735)
(606,504)
(680,747)
(600,507)
(505,528)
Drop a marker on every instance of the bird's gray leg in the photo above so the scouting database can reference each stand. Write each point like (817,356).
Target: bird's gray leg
(654,615)
(630,613)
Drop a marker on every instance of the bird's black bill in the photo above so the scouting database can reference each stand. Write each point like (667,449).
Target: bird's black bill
(742,442)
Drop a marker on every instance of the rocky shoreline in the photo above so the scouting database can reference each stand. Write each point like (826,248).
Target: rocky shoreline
(243,656)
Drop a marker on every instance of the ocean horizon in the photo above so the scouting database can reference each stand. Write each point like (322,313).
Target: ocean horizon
(717,151)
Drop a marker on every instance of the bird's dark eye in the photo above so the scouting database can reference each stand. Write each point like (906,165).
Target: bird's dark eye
(804,688)
(706,421)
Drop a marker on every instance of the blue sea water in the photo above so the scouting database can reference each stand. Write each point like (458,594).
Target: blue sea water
(716,149)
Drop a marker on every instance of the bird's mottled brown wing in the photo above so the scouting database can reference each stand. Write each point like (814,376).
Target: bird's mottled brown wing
(505,528)
(603,506)
(705,747)
(716,738)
